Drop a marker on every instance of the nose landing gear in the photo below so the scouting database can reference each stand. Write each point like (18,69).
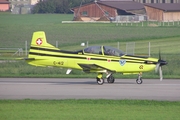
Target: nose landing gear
(139,79)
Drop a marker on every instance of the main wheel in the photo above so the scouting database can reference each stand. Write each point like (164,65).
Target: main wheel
(139,81)
(100,81)
(110,79)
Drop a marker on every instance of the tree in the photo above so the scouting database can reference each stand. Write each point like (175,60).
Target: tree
(57,6)
(44,7)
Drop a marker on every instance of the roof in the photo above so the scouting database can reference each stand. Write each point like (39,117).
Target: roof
(127,5)
(168,7)
(114,0)
(4,2)
(123,5)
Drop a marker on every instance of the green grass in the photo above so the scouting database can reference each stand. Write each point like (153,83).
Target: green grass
(16,29)
(89,109)
(22,69)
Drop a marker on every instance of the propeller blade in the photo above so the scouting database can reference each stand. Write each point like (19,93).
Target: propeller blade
(157,67)
(159,54)
(160,73)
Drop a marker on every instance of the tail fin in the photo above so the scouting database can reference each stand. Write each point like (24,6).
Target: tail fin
(39,40)
(39,45)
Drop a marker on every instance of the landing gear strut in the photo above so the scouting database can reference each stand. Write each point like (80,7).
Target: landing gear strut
(139,79)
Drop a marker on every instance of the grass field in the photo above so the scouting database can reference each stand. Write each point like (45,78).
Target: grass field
(88,110)
(16,29)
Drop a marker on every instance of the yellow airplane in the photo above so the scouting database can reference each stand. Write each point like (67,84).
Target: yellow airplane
(99,59)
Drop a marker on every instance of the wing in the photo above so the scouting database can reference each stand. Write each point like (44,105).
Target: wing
(94,68)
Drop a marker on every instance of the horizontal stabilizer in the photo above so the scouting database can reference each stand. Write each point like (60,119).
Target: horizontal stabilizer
(29,58)
(25,58)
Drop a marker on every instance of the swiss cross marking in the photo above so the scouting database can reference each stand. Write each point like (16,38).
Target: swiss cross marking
(39,41)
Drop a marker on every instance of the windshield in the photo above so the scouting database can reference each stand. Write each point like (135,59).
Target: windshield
(106,49)
(112,51)
(93,50)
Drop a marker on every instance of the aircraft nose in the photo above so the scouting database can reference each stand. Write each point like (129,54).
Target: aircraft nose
(162,62)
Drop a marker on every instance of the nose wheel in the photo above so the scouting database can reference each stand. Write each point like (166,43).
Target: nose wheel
(139,79)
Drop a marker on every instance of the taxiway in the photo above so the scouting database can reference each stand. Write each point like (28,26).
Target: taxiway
(67,88)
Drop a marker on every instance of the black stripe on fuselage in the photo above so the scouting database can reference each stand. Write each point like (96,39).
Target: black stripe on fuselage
(76,52)
(67,52)
(76,57)
(53,50)
(71,52)
(50,55)
(145,57)
(44,49)
(64,56)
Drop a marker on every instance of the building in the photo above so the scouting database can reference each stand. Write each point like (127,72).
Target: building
(22,6)
(157,1)
(33,2)
(4,5)
(106,9)
(103,10)
(163,12)
(15,3)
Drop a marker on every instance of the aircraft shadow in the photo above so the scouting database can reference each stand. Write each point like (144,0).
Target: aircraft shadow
(92,83)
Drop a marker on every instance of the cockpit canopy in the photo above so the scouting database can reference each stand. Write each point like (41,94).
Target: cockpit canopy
(103,50)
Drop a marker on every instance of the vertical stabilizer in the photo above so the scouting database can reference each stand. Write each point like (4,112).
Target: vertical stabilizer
(39,40)
(39,45)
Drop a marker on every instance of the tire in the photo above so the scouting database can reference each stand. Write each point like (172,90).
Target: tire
(100,81)
(110,79)
(139,81)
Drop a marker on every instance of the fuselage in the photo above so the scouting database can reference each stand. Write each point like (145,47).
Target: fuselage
(119,63)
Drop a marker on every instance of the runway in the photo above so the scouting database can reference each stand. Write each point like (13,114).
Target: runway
(63,88)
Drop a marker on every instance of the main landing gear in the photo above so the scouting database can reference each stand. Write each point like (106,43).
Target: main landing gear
(111,79)
(100,80)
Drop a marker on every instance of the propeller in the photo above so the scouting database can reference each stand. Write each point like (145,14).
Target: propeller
(159,65)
